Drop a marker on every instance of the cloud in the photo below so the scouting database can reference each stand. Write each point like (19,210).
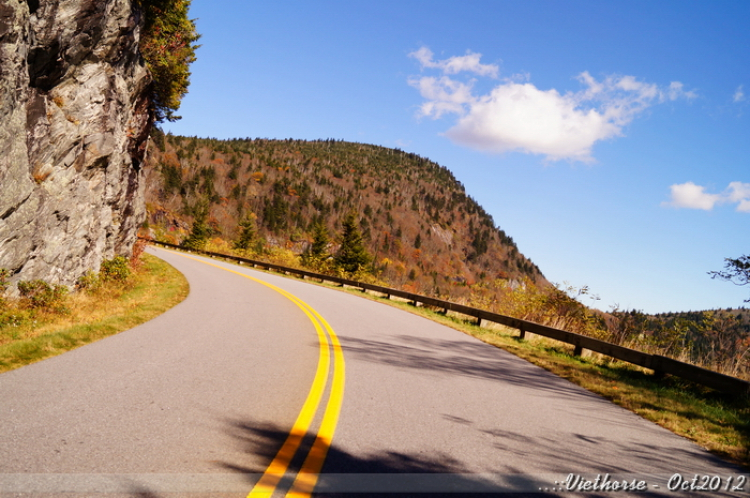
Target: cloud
(522,117)
(740,193)
(469,63)
(691,196)
(739,95)
(443,95)
(517,116)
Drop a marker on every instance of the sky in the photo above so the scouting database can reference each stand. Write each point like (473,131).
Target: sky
(610,140)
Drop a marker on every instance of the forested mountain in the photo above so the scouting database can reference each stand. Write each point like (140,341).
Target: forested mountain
(419,225)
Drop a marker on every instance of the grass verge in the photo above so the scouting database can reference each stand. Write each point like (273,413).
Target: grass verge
(153,288)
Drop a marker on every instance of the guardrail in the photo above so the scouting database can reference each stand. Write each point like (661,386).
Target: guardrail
(659,364)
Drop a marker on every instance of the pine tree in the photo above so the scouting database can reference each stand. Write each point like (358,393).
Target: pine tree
(317,252)
(319,247)
(201,231)
(352,255)
(168,48)
(248,233)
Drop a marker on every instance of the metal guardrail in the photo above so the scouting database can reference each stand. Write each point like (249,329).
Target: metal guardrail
(659,364)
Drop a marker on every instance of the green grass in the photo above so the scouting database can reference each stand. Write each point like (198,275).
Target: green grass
(153,289)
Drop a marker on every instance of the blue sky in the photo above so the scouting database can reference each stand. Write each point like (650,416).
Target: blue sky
(611,140)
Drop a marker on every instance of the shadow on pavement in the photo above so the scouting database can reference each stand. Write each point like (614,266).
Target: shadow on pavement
(386,474)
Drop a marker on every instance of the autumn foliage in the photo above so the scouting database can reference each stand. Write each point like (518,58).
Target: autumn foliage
(168,47)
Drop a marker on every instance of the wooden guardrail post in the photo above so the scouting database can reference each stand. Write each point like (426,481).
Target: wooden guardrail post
(522,332)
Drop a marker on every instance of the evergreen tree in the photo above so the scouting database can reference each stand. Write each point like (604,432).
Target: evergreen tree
(352,255)
(319,247)
(317,251)
(168,47)
(200,232)
(248,233)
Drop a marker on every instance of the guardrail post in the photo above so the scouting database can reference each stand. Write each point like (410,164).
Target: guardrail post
(522,332)
(577,350)
(479,322)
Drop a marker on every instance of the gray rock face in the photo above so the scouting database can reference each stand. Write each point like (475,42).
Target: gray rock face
(74,125)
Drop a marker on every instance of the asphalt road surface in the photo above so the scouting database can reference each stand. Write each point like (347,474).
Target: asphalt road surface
(201,401)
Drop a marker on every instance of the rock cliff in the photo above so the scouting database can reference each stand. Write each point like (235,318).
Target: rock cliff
(74,125)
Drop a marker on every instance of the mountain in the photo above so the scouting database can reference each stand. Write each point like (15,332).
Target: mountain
(424,231)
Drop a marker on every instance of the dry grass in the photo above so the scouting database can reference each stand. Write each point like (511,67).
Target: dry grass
(26,337)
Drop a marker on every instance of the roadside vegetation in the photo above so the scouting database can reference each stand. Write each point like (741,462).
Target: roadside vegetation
(47,320)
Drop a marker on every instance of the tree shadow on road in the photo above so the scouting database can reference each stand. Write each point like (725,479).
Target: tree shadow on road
(465,357)
(384,474)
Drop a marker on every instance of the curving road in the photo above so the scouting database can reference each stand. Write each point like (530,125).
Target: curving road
(201,401)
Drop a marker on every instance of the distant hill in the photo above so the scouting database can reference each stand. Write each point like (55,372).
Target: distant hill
(424,231)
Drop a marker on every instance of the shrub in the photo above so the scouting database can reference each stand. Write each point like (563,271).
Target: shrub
(116,269)
(39,295)
(89,282)
(3,284)
(138,249)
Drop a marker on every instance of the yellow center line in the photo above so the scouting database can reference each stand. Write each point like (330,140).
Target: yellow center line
(307,476)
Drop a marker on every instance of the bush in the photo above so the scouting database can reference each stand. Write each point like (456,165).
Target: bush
(3,284)
(39,295)
(89,282)
(115,270)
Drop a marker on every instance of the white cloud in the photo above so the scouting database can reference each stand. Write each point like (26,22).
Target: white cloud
(739,94)
(738,191)
(454,65)
(692,196)
(443,95)
(517,116)
(522,117)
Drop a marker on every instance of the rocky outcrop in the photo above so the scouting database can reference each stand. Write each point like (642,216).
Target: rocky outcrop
(74,125)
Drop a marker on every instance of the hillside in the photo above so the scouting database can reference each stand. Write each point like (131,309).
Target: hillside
(425,233)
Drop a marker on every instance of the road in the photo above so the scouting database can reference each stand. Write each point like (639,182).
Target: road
(200,400)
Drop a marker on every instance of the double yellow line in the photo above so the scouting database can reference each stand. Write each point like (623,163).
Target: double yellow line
(307,476)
